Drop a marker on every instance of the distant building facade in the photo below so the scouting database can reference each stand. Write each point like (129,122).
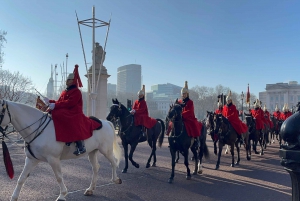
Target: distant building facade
(129,79)
(111,89)
(160,97)
(280,94)
(50,87)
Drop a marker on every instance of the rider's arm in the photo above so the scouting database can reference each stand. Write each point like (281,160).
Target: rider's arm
(72,99)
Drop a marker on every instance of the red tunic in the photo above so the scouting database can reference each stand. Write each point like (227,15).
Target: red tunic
(219,110)
(69,121)
(191,123)
(285,115)
(141,115)
(277,115)
(258,115)
(231,113)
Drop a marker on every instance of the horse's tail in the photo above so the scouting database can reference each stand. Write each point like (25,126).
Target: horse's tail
(116,147)
(162,132)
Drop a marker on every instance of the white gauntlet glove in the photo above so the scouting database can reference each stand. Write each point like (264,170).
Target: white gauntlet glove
(46,100)
(132,111)
(51,106)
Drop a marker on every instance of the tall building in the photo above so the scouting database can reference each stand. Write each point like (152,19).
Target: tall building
(280,94)
(50,86)
(129,79)
(111,89)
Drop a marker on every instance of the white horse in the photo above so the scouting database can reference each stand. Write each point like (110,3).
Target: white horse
(37,129)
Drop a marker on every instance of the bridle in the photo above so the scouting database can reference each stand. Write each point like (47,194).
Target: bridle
(2,114)
(38,132)
(119,114)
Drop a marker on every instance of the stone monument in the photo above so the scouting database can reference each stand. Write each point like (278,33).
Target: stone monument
(101,98)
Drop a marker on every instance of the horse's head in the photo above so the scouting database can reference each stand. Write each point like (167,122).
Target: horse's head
(209,122)
(116,110)
(5,116)
(175,111)
(218,121)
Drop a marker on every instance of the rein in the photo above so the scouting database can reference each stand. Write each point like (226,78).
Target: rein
(42,121)
(173,121)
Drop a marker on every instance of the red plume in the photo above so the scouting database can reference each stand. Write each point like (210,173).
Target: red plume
(77,79)
(7,161)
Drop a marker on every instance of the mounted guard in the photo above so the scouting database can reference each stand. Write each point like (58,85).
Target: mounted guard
(192,126)
(71,125)
(141,114)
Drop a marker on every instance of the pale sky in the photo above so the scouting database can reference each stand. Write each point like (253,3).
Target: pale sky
(207,43)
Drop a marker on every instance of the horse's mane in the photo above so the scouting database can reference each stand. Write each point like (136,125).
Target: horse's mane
(24,106)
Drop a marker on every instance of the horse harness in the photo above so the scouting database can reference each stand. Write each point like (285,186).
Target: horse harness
(37,131)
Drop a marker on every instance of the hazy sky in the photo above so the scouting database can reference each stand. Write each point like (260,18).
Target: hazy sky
(207,43)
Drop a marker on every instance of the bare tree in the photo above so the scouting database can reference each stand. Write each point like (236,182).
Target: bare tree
(2,40)
(16,87)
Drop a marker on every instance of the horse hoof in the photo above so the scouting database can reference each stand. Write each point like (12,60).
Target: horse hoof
(200,171)
(176,161)
(153,165)
(124,171)
(217,167)
(118,181)
(192,159)
(248,158)
(137,165)
(188,177)
(232,165)
(148,165)
(256,152)
(194,172)
(237,163)
(261,153)
(88,193)
(170,181)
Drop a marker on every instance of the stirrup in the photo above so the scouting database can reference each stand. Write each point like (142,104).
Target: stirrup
(78,152)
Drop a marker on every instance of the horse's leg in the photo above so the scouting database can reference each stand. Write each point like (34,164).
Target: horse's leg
(177,158)
(195,155)
(186,163)
(152,144)
(248,148)
(95,167)
(125,146)
(201,151)
(219,154)
(111,158)
(56,167)
(215,147)
(261,140)
(238,152)
(30,164)
(132,149)
(173,152)
(226,150)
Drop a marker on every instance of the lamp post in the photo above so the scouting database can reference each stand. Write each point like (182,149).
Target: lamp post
(242,98)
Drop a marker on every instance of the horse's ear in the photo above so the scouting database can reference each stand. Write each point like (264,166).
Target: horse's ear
(176,100)
(113,101)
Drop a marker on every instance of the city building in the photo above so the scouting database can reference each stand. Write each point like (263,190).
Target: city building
(160,97)
(280,94)
(129,79)
(50,86)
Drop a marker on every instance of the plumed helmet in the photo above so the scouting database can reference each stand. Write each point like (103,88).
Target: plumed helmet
(283,108)
(287,108)
(265,108)
(220,102)
(142,91)
(276,108)
(229,97)
(185,89)
(70,76)
(256,104)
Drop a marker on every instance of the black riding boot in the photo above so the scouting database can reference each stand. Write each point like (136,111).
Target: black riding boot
(80,149)
(197,142)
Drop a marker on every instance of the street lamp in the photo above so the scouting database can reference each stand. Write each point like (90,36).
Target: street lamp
(242,98)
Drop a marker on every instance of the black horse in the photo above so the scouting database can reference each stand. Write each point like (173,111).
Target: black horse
(228,135)
(255,135)
(210,129)
(180,141)
(274,132)
(131,134)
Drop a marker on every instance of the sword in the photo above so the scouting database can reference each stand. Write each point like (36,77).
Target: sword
(39,93)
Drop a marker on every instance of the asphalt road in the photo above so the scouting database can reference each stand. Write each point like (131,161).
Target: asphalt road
(262,178)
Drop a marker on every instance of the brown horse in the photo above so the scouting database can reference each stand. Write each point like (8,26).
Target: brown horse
(131,134)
